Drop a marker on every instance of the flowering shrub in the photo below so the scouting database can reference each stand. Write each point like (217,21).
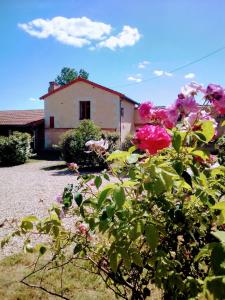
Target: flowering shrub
(15,149)
(160,224)
(73,143)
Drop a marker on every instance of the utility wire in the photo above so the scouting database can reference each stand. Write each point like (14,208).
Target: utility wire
(177,68)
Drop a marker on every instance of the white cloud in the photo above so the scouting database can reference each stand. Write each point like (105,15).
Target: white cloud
(71,31)
(162,73)
(127,37)
(79,32)
(143,64)
(33,99)
(135,78)
(189,76)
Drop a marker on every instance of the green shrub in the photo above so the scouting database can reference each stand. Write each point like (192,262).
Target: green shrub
(73,147)
(113,140)
(127,143)
(220,147)
(15,149)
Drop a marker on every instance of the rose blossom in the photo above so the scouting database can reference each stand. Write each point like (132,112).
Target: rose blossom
(83,229)
(219,106)
(214,92)
(72,167)
(145,110)
(186,105)
(166,117)
(152,138)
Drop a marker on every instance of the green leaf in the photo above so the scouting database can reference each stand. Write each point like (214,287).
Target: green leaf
(98,181)
(137,259)
(78,199)
(41,248)
(137,230)
(77,249)
(220,235)
(201,153)
(119,155)
(30,219)
(207,130)
(114,261)
(223,124)
(119,196)
(133,158)
(132,149)
(26,225)
(102,196)
(220,206)
(151,235)
(177,141)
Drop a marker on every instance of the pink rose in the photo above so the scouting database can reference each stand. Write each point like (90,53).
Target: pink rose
(152,138)
(145,110)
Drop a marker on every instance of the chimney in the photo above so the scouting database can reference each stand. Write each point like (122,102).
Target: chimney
(52,86)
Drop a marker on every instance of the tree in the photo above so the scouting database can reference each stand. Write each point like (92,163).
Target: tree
(69,74)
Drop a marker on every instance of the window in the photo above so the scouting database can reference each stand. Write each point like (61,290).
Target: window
(85,110)
(52,122)
(122,111)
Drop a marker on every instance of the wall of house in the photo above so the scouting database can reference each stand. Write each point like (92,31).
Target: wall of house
(127,120)
(138,122)
(64,106)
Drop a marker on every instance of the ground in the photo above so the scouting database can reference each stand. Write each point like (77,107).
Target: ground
(30,189)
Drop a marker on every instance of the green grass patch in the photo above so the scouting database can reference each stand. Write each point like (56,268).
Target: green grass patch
(77,284)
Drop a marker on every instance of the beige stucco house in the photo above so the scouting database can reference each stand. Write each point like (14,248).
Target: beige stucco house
(65,106)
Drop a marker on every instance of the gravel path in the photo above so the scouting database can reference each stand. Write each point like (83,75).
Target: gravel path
(29,189)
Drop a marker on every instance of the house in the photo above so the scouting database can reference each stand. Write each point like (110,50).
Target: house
(65,106)
(31,121)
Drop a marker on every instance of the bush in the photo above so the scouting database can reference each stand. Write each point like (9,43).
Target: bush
(73,146)
(220,147)
(160,222)
(15,149)
(127,143)
(113,140)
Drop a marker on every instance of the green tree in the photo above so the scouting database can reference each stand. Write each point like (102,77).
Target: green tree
(69,74)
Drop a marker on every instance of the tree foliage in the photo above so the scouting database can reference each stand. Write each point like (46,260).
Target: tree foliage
(69,74)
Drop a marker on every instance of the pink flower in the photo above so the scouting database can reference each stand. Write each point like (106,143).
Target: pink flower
(152,138)
(219,106)
(59,198)
(83,229)
(145,110)
(214,92)
(192,89)
(186,105)
(166,117)
(73,167)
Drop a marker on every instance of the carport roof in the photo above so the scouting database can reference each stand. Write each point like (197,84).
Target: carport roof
(21,117)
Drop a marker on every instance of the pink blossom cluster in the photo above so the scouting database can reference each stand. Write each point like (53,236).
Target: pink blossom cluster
(152,138)
(83,229)
(155,137)
(72,167)
(216,95)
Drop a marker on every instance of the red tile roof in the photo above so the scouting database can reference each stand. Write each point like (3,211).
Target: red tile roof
(21,117)
(80,79)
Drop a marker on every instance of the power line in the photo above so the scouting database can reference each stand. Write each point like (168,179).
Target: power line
(177,68)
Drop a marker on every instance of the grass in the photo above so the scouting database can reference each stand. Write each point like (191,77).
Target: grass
(77,284)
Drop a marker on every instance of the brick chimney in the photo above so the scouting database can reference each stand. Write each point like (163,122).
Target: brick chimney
(52,86)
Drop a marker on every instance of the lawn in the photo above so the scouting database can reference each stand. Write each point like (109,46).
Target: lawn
(78,284)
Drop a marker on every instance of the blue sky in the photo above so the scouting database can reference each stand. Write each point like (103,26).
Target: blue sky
(111,40)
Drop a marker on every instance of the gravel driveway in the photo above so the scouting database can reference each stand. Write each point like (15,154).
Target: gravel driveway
(30,189)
